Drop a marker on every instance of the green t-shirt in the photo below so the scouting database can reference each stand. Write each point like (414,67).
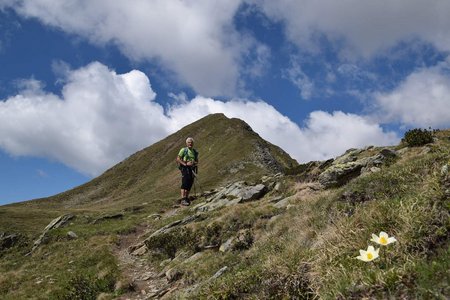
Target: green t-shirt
(190,154)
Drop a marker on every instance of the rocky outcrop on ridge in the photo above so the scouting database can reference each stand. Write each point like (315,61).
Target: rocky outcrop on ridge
(349,166)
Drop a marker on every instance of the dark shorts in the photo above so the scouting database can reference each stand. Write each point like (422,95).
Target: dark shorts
(187,178)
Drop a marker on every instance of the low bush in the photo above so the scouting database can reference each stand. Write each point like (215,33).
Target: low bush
(418,137)
(167,244)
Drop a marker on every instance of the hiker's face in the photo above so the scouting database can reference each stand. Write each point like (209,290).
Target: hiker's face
(190,144)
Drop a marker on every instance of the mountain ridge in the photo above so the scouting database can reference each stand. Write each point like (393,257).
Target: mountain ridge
(229,151)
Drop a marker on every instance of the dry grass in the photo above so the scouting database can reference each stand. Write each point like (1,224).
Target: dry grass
(305,251)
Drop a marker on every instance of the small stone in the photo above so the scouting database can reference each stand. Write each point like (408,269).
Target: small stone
(283,203)
(165,262)
(173,275)
(227,245)
(220,272)
(444,170)
(194,257)
(146,276)
(154,216)
(72,235)
(140,251)
(277,186)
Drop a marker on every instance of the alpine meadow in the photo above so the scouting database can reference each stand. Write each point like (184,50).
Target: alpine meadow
(372,223)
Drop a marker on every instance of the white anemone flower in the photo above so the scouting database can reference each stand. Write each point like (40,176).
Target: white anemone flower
(368,255)
(383,239)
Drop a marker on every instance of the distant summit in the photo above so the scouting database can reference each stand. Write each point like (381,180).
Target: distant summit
(229,150)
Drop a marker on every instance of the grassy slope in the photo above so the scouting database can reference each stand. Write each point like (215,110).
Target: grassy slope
(145,183)
(150,176)
(310,251)
(307,251)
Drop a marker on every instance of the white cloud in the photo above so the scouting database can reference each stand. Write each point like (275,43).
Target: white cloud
(366,26)
(328,135)
(422,100)
(103,117)
(324,136)
(194,39)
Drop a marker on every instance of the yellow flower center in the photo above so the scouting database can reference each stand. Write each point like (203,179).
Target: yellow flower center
(383,240)
(369,256)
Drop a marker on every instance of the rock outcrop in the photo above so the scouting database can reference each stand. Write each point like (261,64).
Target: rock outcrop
(349,166)
(55,223)
(232,194)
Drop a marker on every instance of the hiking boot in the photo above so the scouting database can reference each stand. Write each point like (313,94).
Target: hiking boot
(185,202)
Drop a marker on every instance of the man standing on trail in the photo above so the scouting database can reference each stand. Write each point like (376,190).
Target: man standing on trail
(187,160)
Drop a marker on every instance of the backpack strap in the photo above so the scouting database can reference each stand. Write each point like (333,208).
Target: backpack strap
(185,153)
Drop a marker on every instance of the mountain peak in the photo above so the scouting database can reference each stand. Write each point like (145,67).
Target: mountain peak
(229,150)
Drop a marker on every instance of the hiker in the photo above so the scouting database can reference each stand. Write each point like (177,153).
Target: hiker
(187,160)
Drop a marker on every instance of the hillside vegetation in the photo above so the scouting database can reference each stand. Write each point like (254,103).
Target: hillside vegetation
(261,226)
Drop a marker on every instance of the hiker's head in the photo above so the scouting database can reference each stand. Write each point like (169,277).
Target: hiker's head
(189,142)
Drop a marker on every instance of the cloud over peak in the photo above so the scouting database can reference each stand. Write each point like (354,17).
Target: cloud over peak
(102,117)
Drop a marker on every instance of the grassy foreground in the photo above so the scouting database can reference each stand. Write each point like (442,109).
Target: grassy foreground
(306,250)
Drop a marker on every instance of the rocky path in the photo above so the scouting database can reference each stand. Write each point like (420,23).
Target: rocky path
(145,281)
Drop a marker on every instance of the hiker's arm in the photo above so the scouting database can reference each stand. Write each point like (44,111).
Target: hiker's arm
(180,161)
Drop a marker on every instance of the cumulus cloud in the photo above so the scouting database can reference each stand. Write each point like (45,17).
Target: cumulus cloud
(325,135)
(194,39)
(421,100)
(328,135)
(366,27)
(102,117)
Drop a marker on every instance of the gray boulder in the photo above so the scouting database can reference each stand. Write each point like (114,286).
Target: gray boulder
(109,217)
(232,194)
(339,174)
(349,166)
(55,223)
(284,202)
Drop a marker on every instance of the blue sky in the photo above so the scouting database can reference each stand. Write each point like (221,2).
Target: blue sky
(85,84)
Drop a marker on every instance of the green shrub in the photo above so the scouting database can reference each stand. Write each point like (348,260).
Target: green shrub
(167,244)
(418,137)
